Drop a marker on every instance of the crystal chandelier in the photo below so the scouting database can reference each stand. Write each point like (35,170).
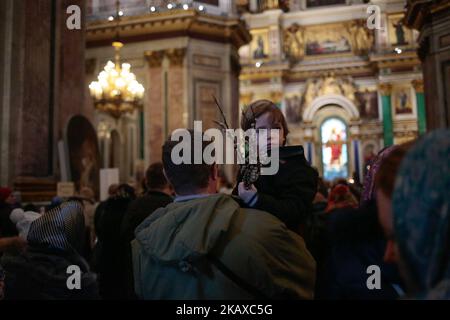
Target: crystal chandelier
(117,91)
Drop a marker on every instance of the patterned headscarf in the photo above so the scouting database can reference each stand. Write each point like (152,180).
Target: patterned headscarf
(60,228)
(421,209)
(369,191)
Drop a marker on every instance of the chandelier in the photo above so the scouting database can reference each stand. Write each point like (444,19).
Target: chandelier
(117,91)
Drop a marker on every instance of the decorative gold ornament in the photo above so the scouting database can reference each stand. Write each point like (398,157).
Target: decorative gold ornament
(418,85)
(154,58)
(176,56)
(329,85)
(294,43)
(385,89)
(361,38)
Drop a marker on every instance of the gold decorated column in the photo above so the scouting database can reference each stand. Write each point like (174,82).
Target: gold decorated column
(388,127)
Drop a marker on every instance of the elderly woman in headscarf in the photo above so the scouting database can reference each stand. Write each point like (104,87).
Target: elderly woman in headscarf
(43,270)
(356,241)
(418,228)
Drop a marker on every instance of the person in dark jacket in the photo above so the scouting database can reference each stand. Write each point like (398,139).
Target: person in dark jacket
(355,241)
(158,195)
(109,262)
(289,194)
(41,272)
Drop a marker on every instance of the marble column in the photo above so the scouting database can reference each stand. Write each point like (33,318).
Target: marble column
(42,87)
(421,112)
(154,113)
(176,89)
(388,127)
(432,20)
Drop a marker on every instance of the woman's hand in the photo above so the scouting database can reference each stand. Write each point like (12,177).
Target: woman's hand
(249,196)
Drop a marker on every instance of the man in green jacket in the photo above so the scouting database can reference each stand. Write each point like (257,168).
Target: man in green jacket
(204,246)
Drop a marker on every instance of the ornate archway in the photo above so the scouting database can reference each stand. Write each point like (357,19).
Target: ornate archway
(330,99)
(333,106)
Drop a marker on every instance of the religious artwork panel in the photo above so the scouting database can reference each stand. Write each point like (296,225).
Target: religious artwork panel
(402,101)
(398,34)
(320,3)
(259,47)
(368,104)
(293,110)
(206,109)
(334,149)
(329,39)
(210,2)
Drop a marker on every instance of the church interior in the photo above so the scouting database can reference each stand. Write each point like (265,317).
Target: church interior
(101,200)
(351,77)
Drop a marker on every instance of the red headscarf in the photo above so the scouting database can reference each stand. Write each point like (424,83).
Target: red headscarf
(341,197)
(4,194)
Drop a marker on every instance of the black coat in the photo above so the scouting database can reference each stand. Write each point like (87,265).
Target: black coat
(137,212)
(140,209)
(354,240)
(107,261)
(7,228)
(41,274)
(288,195)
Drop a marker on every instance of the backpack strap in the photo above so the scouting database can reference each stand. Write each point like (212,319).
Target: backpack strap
(252,290)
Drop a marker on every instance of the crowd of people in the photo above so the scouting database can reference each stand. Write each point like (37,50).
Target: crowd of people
(286,236)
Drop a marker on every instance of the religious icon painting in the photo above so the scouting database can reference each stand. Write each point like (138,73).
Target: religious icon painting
(293,109)
(330,39)
(368,104)
(399,35)
(259,47)
(402,101)
(319,3)
(333,133)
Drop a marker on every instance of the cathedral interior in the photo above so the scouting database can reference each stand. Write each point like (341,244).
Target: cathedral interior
(350,76)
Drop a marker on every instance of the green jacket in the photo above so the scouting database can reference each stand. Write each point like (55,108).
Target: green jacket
(170,253)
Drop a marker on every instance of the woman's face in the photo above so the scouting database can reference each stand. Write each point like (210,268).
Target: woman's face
(264,121)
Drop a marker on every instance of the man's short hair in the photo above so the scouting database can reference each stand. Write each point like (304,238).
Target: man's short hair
(186,178)
(154,177)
